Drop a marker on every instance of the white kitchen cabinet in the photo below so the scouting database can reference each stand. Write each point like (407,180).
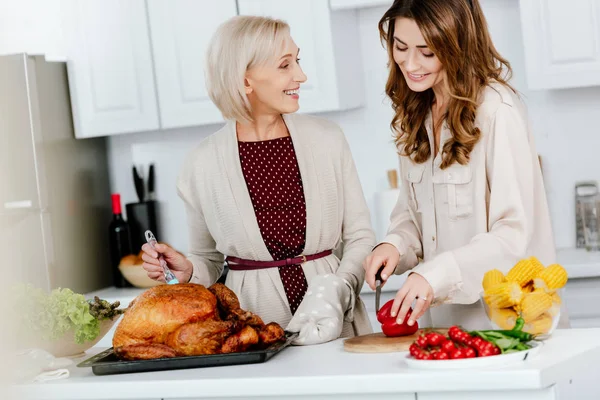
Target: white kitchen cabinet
(561,40)
(181,31)
(138,65)
(111,75)
(345,4)
(328,58)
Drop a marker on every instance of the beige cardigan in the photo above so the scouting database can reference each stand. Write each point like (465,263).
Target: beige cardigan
(221,217)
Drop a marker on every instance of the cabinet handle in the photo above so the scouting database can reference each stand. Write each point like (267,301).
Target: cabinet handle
(11,205)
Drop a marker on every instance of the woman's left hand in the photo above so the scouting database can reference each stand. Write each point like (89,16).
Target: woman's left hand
(415,287)
(320,316)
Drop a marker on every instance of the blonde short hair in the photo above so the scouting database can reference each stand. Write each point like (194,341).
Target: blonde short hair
(239,44)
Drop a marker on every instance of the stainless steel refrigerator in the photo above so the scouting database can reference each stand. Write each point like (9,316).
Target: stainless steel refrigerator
(54,189)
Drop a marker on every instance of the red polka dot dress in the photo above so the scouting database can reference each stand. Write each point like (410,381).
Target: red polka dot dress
(273,179)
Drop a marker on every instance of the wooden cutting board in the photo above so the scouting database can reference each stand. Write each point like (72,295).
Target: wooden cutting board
(379,343)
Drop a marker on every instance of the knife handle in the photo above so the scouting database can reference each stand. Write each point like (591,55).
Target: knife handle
(139,184)
(378,274)
(151,182)
(378,284)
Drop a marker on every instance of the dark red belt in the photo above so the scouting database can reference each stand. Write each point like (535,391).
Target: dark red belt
(240,264)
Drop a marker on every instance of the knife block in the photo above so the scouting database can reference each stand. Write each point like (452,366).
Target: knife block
(141,217)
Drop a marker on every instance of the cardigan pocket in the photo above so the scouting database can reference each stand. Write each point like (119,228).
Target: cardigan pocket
(458,180)
(414,176)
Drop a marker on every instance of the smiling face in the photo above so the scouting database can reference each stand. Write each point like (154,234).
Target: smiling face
(273,88)
(419,65)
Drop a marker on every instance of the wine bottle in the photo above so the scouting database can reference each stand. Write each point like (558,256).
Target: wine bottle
(119,241)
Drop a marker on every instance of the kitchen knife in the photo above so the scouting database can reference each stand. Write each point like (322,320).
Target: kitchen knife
(139,184)
(151,183)
(378,282)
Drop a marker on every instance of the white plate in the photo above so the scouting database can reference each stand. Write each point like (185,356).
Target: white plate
(476,362)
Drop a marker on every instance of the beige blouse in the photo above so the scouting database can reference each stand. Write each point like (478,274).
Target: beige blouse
(467,219)
(221,219)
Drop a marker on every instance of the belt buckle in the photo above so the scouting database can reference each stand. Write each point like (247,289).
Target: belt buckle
(303,258)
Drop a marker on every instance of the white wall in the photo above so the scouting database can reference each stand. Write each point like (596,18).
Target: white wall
(564,120)
(32,26)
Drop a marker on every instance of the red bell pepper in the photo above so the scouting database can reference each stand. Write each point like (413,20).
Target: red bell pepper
(383,314)
(390,327)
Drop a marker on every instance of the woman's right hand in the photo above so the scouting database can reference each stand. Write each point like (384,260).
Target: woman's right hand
(177,263)
(385,254)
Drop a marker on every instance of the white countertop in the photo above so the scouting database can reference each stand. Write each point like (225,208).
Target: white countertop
(325,370)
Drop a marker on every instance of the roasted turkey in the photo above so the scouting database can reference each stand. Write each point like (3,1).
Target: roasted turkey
(189,320)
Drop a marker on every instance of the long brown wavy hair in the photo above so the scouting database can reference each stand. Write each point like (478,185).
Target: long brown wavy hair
(456,32)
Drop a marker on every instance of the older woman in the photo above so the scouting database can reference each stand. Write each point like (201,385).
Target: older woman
(273,193)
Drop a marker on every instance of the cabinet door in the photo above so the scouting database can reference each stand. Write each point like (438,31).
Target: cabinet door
(110,67)
(561,43)
(181,31)
(310,27)
(18,177)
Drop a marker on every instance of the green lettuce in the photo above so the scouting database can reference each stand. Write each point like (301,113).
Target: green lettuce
(51,315)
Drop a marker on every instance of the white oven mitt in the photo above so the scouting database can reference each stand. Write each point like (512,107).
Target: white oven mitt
(320,316)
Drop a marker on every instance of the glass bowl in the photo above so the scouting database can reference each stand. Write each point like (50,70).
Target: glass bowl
(540,320)
(65,346)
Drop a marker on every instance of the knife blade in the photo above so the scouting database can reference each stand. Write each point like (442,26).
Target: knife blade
(378,282)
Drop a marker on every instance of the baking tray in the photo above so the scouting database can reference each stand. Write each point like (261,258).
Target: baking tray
(107,363)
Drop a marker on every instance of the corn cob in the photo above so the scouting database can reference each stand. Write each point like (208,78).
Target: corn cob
(539,326)
(524,271)
(537,264)
(551,278)
(491,278)
(505,318)
(505,294)
(535,304)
